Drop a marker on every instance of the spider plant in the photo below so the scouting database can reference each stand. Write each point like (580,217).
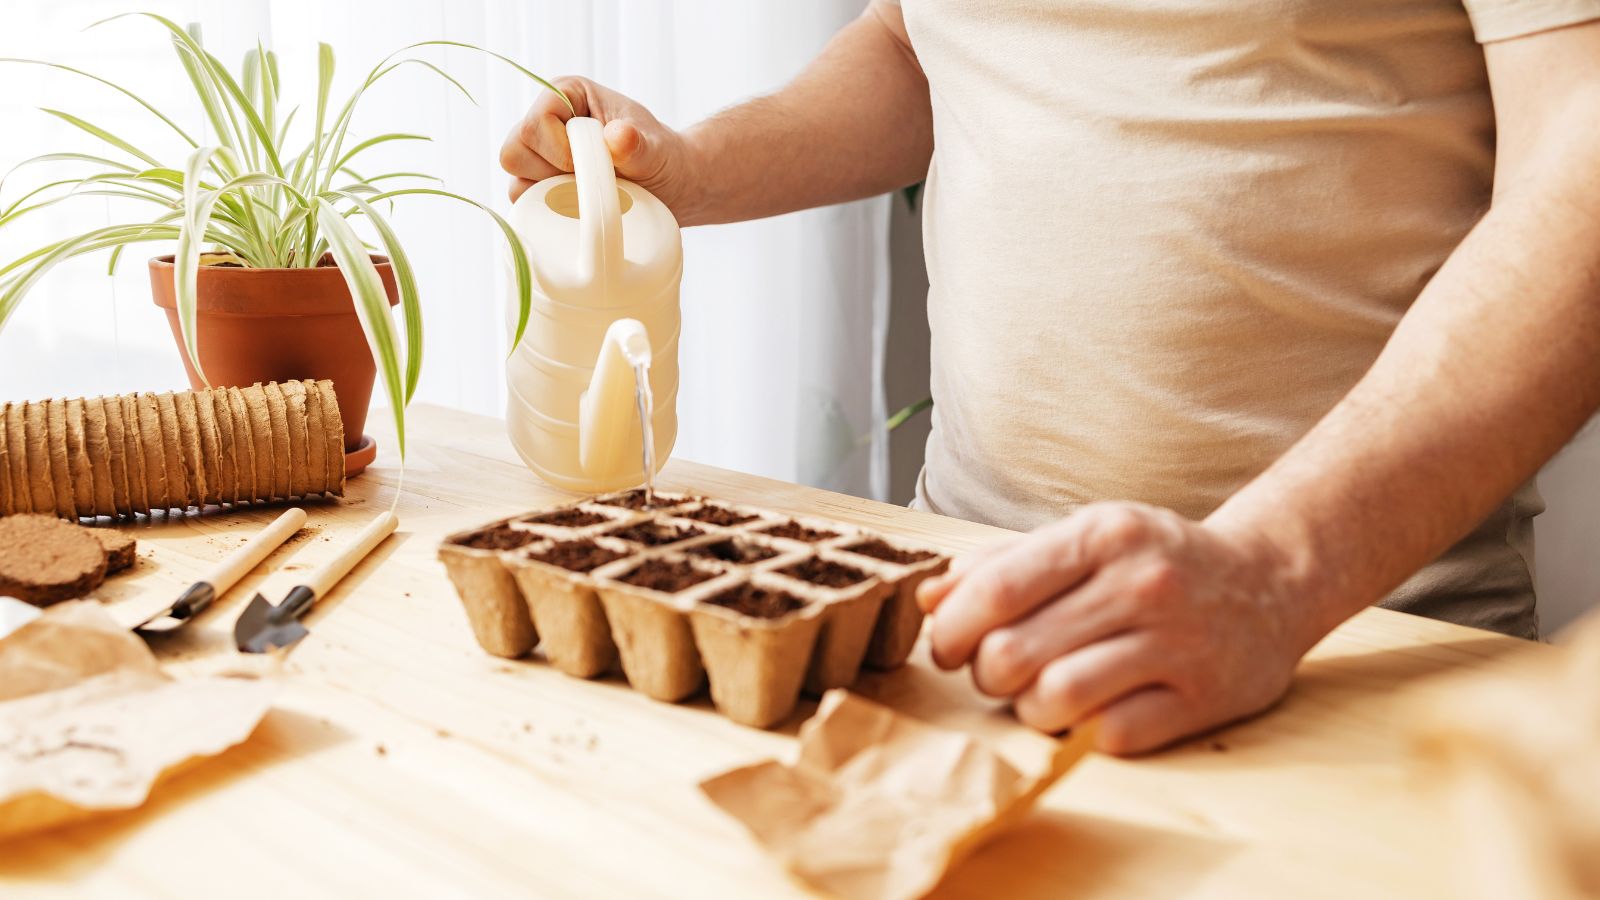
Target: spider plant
(252,199)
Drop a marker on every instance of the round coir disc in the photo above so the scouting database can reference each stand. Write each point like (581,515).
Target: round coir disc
(119,548)
(44,560)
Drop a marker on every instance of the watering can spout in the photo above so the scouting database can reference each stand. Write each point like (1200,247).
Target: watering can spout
(608,433)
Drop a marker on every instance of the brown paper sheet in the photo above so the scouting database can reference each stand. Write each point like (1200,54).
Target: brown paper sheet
(90,723)
(879,806)
(1514,753)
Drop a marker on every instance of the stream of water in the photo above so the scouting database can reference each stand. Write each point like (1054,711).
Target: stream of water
(647,407)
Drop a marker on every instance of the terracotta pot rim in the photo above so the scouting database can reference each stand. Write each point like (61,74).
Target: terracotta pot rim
(236,291)
(167,261)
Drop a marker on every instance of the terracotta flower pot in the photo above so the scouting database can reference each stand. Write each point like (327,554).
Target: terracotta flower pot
(277,325)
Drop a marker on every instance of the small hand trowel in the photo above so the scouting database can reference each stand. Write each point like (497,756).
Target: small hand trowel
(224,575)
(263,627)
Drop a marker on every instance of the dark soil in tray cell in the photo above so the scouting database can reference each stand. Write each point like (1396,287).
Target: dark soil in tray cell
(757,602)
(666,575)
(654,534)
(577,556)
(634,499)
(794,531)
(500,537)
(825,572)
(878,549)
(631,500)
(718,515)
(734,551)
(568,518)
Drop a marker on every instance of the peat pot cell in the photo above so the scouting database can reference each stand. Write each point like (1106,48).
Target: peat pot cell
(794,531)
(757,602)
(721,516)
(577,556)
(500,537)
(655,534)
(668,576)
(734,550)
(571,517)
(824,573)
(880,549)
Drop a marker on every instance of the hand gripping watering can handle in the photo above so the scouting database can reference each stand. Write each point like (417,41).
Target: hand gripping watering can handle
(599,209)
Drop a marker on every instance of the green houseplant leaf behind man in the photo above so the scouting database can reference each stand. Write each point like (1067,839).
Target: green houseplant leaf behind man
(1255,314)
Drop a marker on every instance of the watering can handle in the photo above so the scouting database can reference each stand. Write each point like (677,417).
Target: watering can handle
(599,210)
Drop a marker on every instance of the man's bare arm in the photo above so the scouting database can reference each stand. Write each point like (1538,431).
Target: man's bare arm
(1492,370)
(1160,627)
(857,122)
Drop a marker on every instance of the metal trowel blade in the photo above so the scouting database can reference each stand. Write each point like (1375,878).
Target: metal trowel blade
(258,631)
(163,622)
(180,612)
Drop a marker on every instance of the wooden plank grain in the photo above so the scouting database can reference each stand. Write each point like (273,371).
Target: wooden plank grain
(403,761)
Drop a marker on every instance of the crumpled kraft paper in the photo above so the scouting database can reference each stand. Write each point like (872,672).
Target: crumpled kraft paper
(89,722)
(1515,753)
(880,805)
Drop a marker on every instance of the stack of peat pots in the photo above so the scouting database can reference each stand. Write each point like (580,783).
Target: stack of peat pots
(117,456)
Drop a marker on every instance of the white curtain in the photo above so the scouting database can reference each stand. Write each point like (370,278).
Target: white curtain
(784,320)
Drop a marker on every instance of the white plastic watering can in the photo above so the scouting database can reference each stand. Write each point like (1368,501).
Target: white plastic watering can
(606,257)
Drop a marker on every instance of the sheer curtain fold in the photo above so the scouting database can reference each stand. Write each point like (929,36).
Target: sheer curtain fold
(784,319)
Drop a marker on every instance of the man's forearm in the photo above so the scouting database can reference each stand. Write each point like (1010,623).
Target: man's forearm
(854,124)
(1493,369)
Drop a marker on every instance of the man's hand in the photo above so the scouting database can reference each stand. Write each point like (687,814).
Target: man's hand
(822,139)
(643,150)
(1159,625)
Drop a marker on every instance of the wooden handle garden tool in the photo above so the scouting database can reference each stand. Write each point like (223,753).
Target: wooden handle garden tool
(263,627)
(224,575)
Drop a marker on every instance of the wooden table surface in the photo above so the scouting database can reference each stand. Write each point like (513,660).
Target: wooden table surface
(402,761)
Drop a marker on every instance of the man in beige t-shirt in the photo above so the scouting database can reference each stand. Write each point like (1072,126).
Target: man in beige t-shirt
(1256,313)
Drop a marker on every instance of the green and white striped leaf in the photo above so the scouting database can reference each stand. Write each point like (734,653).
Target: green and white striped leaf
(197,207)
(102,134)
(519,253)
(372,308)
(406,280)
(47,257)
(114,86)
(64,157)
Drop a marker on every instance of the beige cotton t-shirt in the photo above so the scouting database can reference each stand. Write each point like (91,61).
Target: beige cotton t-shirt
(1164,237)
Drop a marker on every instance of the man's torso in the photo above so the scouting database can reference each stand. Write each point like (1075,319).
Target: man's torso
(1165,237)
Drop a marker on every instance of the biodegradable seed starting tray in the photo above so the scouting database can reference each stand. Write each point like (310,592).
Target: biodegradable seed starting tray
(759,604)
(117,456)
